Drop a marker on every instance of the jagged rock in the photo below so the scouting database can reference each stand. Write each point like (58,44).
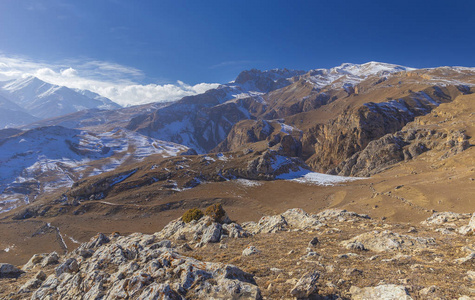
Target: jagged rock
(212,233)
(470,228)
(267,224)
(306,286)
(297,218)
(234,230)
(30,285)
(339,215)
(34,260)
(387,292)
(388,241)
(134,267)
(69,266)
(9,271)
(294,218)
(50,259)
(440,218)
(251,250)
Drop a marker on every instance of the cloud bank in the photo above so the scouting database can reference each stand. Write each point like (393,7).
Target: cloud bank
(114,81)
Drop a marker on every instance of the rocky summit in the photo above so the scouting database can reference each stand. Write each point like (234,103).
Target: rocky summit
(354,182)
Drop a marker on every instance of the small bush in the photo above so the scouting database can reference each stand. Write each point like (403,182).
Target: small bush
(192,214)
(216,212)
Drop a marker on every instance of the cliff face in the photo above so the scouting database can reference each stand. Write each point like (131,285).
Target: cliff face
(327,145)
(445,132)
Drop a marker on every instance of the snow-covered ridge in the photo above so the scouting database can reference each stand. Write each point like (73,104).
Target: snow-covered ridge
(44,100)
(352,74)
(53,157)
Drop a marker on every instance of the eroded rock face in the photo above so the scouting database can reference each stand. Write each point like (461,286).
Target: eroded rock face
(140,266)
(401,146)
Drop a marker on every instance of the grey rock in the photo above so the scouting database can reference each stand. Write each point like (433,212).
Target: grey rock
(389,241)
(306,286)
(50,259)
(212,233)
(386,292)
(251,250)
(69,266)
(9,271)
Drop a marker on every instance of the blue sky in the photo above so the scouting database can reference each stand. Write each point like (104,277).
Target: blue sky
(161,42)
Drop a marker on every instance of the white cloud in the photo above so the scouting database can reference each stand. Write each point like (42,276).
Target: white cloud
(111,80)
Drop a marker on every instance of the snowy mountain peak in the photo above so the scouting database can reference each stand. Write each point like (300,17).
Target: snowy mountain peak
(45,100)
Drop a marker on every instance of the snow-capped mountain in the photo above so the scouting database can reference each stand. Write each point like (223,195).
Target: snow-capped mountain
(349,74)
(46,158)
(44,100)
(12,115)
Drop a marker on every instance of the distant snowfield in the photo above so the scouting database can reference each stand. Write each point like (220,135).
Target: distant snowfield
(308,177)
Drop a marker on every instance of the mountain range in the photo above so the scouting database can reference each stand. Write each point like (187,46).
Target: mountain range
(391,144)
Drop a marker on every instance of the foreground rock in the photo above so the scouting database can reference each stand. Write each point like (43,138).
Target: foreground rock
(138,266)
(9,271)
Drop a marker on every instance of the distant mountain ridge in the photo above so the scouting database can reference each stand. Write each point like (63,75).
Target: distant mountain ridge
(31,99)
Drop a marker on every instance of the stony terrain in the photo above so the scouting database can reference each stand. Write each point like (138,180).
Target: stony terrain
(333,254)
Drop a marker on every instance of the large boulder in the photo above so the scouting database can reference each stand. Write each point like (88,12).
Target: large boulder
(9,271)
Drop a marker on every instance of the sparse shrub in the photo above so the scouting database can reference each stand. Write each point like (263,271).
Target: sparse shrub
(216,212)
(192,214)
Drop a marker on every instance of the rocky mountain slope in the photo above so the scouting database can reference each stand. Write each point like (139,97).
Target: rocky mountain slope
(43,100)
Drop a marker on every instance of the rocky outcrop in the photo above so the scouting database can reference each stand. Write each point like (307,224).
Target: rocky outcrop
(381,241)
(298,219)
(139,267)
(401,146)
(325,146)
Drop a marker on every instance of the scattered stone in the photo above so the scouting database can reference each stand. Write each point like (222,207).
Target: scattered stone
(428,291)
(355,246)
(9,271)
(313,242)
(471,275)
(353,272)
(251,250)
(387,292)
(306,286)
